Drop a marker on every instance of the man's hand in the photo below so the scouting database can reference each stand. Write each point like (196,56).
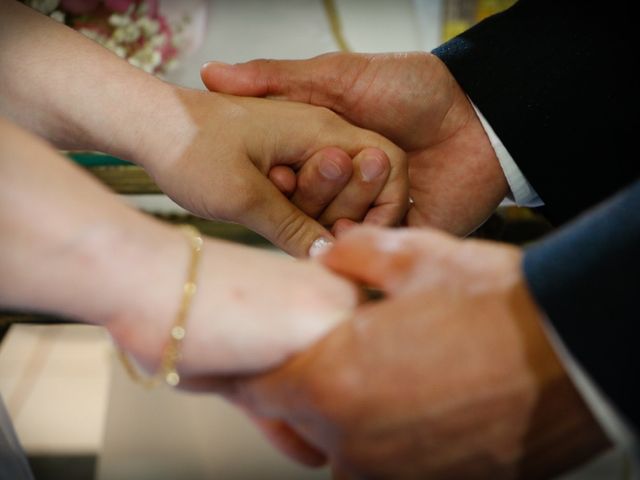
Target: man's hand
(217,161)
(450,376)
(412,99)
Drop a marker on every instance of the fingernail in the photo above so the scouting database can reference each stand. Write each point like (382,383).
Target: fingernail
(330,170)
(213,63)
(319,246)
(370,168)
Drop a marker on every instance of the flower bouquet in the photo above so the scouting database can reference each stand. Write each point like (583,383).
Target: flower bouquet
(135,30)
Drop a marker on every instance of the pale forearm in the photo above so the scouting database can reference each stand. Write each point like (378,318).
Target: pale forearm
(70,247)
(72,91)
(67,245)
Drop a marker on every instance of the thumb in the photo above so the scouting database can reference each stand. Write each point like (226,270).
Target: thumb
(272,215)
(320,81)
(390,260)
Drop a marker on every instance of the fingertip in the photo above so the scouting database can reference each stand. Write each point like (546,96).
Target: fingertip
(389,214)
(209,69)
(335,164)
(320,179)
(376,152)
(342,226)
(355,245)
(284,178)
(238,79)
(377,257)
(213,64)
(357,232)
(373,164)
(392,202)
(320,246)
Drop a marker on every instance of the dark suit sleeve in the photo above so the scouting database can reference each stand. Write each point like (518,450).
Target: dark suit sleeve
(586,277)
(555,81)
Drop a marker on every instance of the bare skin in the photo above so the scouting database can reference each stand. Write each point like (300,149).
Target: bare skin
(71,248)
(412,99)
(450,376)
(209,152)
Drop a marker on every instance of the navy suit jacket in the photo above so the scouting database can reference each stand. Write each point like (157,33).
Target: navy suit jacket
(555,81)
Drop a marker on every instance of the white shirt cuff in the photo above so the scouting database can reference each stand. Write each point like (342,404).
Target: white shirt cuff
(522,192)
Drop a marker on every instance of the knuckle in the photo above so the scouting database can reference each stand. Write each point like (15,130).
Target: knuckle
(291,228)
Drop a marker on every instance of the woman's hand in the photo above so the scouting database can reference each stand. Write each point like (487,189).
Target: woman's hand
(216,160)
(252,311)
(71,248)
(211,153)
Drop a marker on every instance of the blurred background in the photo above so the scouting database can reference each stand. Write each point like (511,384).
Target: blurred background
(76,413)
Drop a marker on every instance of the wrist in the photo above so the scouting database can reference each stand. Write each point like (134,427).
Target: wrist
(551,409)
(162,130)
(134,274)
(561,415)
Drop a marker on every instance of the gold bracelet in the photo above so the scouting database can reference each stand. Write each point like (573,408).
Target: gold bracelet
(171,354)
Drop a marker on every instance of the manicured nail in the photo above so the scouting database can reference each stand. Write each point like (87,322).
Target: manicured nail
(330,170)
(319,246)
(371,167)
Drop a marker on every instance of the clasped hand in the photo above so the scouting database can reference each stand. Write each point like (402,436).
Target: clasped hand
(217,164)
(450,376)
(455,180)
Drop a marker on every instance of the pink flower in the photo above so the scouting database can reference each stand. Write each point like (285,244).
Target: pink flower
(119,6)
(79,7)
(164,26)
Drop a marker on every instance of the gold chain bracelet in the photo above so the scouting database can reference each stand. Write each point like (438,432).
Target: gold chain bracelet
(171,354)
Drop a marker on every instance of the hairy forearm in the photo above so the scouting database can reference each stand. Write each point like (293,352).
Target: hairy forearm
(77,94)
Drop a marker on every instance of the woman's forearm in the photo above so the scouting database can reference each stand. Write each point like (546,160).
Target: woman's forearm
(70,247)
(74,92)
(67,245)
(209,152)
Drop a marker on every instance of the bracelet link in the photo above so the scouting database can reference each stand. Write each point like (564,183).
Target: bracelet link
(171,354)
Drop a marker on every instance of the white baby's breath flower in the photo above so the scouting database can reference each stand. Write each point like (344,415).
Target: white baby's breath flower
(44,6)
(147,59)
(127,34)
(148,26)
(58,16)
(178,42)
(116,48)
(171,65)
(119,20)
(157,41)
(93,35)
